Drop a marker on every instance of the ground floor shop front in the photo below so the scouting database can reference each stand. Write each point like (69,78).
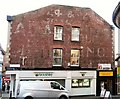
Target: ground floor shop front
(106,79)
(77,82)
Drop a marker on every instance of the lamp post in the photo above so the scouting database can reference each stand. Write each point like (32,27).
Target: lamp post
(81,48)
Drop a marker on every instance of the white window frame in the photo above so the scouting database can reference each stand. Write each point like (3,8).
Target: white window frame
(75,57)
(75,34)
(58,31)
(57,57)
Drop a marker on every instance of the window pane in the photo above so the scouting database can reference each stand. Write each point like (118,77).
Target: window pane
(75,34)
(74,82)
(58,32)
(57,57)
(57,53)
(86,82)
(57,61)
(75,57)
(81,82)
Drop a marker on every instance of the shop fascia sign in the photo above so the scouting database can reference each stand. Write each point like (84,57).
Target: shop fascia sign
(104,66)
(43,74)
(106,73)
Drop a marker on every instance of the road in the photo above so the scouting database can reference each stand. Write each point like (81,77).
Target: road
(6,96)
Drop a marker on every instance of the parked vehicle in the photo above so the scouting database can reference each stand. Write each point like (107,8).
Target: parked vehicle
(41,90)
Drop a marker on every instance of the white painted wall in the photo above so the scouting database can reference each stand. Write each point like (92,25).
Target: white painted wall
(67,75)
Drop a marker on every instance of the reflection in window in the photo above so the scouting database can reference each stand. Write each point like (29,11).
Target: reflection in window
(55,85)
(75,34)
(80,83)
(75,57)
(58,30)
(75,83)
(57,57)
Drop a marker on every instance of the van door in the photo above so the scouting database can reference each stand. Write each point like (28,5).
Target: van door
(39,93)
(56,89)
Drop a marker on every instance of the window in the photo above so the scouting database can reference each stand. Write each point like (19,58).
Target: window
(80,83)
(55,85)
(57,56)
(75,34)
(75,57)
(58,30)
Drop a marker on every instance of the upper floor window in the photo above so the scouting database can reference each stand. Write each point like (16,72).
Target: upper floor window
(75,34)
(58,30)
(57,57)
(75,54)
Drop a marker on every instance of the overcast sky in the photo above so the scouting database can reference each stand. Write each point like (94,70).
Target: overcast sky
(104,8)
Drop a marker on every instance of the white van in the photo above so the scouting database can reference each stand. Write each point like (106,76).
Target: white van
(41,90)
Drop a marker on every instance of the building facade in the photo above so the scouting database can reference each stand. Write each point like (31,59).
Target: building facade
(63,38)
(60,36)
(76,82)
(2,54)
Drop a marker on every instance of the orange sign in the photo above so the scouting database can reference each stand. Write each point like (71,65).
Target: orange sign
(108,73)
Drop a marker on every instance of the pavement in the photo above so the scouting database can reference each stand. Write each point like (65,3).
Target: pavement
(5,95)
(96,97)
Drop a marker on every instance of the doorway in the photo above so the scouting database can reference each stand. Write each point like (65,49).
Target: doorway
(106,84)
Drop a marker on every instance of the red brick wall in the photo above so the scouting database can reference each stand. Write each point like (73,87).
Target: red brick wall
(32,36)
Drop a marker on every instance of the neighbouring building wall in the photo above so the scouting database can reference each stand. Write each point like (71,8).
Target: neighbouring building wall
(118,41)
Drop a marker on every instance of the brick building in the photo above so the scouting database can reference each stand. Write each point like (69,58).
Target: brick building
(61,39)
(60,36)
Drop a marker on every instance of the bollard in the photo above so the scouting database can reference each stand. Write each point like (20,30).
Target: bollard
(10,95)
(102,94)
(108,95)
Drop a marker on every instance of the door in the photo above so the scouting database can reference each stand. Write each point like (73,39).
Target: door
(106,84)
(55,89)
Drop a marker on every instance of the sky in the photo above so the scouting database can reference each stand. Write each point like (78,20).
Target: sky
(104,8)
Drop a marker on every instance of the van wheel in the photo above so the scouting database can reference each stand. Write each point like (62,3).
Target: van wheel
(28,97)
(63,97)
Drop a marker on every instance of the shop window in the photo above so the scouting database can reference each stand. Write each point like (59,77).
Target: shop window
(75,54)
(80,83)
(58,31)
(57,57)
(75,34)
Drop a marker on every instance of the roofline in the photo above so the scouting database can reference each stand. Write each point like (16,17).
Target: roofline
(11,17)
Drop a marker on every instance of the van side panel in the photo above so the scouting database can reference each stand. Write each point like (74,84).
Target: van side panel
(33,88)
(41,89)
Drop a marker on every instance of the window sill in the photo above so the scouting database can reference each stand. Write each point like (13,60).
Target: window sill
(57,65)
(74,65)
(59,40)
